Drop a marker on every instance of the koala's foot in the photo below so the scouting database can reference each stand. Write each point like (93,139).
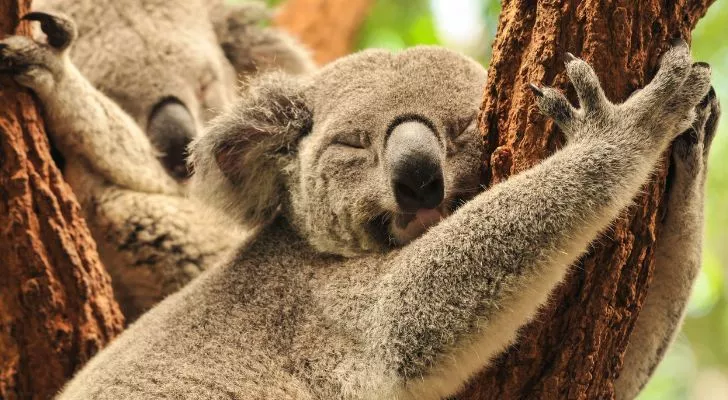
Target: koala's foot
(35,64)
(656,114)
(690,150)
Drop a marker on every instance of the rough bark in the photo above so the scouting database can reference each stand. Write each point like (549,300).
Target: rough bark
(327,27)
(56,304)
(574,348)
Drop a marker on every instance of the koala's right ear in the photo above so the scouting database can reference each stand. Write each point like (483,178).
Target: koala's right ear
(238,163)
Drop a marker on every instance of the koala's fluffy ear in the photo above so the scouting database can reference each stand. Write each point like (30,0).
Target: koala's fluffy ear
(238,163)
(252,47)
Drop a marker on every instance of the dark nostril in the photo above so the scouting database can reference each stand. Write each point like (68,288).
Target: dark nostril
(433,193)
(404,191)
(412,193)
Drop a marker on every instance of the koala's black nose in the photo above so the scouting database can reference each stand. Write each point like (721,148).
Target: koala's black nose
(413,156)
(171,128)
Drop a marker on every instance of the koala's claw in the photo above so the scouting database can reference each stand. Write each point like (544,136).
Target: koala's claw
(60,29)
(535,89)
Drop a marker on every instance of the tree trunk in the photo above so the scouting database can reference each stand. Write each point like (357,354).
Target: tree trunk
(56,304)
(574,348)
(327,27)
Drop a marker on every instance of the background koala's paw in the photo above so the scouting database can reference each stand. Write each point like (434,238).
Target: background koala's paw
(34,64)
(690,149)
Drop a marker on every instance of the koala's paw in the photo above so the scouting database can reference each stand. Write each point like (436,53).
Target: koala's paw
(667,104)
(660,111)
(34,64)
(690,150)
(591,98)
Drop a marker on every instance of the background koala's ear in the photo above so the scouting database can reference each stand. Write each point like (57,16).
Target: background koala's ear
(238,163)
(251,46)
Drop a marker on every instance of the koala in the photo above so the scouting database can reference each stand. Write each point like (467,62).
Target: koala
(123,93)
(380,271)
(677,253)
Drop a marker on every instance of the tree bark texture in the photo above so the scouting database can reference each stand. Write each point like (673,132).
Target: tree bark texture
(327,27)
(574,347)
(56,303)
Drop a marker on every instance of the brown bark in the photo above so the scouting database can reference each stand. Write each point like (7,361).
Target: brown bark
(327,27)
(56,304)
(574,348)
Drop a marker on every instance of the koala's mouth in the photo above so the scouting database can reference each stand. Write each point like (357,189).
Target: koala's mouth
(406,227)
(400,228)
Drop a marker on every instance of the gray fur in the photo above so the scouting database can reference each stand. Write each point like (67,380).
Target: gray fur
(100,84)
(677,255)
(318,306)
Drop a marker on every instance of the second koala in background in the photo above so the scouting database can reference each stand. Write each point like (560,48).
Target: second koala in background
(136,82)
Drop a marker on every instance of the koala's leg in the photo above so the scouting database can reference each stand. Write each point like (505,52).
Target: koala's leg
(86,126)
(677,255)
(252,47)
(153,244)
(455,297)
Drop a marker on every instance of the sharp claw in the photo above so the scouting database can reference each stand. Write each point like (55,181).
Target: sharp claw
(535,89)
(678,41)
(58,34)
(35,16)
(711,93)
(568,57)
(43,18)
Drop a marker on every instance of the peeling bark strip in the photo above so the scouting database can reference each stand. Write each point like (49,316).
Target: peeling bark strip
(56,304)
(575,347)
(327,27)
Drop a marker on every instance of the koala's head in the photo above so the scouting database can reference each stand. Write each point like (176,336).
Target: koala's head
(367,153)
(171,65)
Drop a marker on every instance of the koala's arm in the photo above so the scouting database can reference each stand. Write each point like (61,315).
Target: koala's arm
(154,244)
(677,255)
(84,124)
(456,296)
(252,47)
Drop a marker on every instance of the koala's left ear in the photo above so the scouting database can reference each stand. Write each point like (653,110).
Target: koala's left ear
(238,163)
(253,47)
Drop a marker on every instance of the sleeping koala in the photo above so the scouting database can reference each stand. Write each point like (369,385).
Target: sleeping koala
(150,74)
(380,273)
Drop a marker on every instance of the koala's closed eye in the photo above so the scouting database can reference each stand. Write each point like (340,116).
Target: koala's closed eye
(354,139)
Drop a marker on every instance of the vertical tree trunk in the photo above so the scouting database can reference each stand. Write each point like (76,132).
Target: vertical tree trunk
(574,349)
(327,27)
(56,304)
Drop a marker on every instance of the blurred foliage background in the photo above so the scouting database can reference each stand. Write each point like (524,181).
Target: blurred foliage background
(697,364)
